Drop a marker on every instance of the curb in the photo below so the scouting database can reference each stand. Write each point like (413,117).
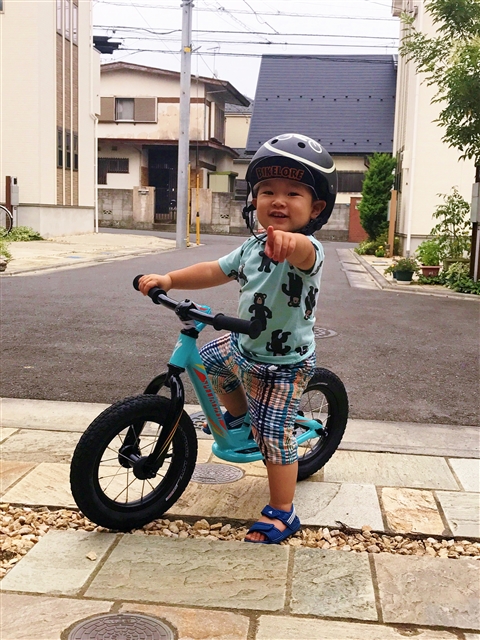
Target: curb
(87,263)
(386,285)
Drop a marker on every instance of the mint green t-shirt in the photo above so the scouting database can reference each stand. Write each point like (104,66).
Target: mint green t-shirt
(281,296)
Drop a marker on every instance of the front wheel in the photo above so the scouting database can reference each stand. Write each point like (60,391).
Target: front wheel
(324,400)
(102,480)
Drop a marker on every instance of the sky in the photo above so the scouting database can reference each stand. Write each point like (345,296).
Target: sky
(230,36)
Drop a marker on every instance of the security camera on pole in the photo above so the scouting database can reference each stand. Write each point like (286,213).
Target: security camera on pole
(184,129)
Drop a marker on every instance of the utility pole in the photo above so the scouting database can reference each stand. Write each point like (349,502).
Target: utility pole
(184,129)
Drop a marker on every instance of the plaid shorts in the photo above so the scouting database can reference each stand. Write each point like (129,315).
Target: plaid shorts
(273,393)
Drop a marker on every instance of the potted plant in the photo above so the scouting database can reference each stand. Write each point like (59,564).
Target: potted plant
(403,269)
(429,254)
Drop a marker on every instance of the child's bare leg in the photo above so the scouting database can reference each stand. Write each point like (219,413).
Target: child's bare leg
(282,480)
(234,402)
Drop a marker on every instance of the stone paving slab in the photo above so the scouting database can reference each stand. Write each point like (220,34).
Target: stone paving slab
(468,472)
(48,484)
(290,628)
(462,512)
(6,433)
(233,575)
(25,617)
(11,471)
(37,446)
(409,437)
(390,470)
(332,584)
(429,591)
(326,504)
(412,511)
(240,500)
(196,624)
(57,564)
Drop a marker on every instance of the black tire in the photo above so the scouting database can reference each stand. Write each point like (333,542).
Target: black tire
(108,493)
(325,400)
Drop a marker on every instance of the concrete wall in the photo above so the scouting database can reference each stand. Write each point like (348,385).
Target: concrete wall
(126,208)
(53,221)
(115,208)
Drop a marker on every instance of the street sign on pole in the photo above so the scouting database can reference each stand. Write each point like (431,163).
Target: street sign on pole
(184,128)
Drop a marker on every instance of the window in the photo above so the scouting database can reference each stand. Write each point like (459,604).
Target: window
(75,152)
(1,6)
(74,24)
(59,15)
(68,149)
(124,109)
(60,148)
(111,165)
(350,181)
(67,19)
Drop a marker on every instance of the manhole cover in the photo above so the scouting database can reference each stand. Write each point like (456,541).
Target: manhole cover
(121,627)
(216,473)
(320,332)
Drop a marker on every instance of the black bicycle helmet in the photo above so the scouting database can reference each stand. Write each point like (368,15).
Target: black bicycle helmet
(296,157)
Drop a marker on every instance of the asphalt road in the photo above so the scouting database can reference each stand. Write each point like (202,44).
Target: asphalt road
(86,335)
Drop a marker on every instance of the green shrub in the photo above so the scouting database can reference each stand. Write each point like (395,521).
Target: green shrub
(376,192)
(458,279)
(4,252)
(20,234)
(453,231)
(370,247)
(429,252)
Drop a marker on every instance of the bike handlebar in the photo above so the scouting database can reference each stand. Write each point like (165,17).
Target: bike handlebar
(187,311)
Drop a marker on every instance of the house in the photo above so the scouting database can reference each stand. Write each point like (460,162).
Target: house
(237,125)
(138,143)
(49,74)
(426,166)
(345,102)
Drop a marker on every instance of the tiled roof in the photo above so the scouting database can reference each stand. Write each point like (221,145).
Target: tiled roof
(345,102)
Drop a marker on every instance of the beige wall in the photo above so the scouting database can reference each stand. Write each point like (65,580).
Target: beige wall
(122,180)
(28,116)
(430,167)
(236,130)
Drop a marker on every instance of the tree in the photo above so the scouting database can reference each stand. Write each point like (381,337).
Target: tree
(451,62)
(376,192)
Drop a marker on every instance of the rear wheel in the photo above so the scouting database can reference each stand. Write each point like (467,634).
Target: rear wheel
(102,478)
(325,400)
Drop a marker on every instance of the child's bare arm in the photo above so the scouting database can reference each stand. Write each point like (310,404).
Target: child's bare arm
(198,276)
(293,247)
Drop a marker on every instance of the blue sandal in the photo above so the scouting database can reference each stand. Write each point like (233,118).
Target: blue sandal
(270,531)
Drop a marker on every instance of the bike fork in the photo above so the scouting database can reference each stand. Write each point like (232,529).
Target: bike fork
(147,466)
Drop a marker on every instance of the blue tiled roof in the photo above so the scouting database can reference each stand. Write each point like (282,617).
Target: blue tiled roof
(345,102)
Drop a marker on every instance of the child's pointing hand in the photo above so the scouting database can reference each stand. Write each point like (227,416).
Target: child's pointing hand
(280,244)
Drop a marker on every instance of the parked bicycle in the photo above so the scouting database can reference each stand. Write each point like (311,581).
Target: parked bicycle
(6,219)
(137,457)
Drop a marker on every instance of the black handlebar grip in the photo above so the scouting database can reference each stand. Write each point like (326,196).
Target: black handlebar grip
(252,328)
(136,280)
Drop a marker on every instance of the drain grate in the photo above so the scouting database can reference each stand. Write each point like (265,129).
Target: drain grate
(216,473)
(320,332)
(121,627)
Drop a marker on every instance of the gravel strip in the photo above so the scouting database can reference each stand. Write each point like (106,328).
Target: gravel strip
(22,527)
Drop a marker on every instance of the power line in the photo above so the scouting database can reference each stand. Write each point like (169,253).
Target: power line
(244,12)
(271,44)
(303,35)
(259,55)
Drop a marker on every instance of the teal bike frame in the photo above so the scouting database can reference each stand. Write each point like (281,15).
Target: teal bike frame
(232,445)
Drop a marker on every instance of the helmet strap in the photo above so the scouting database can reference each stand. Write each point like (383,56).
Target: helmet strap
(247,214)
